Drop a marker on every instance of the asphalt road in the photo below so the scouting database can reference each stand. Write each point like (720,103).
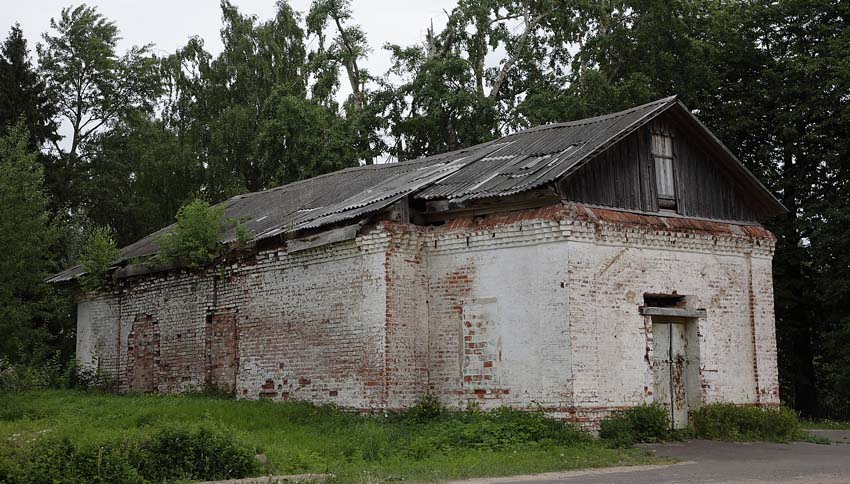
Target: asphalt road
(722,463)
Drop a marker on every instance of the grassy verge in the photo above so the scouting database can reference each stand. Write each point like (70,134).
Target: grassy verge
(717,421)
(825,425)
(300,438)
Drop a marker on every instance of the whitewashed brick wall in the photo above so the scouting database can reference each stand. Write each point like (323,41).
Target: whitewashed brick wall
(530,309)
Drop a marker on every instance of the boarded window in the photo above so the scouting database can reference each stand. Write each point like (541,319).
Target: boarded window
(662,153)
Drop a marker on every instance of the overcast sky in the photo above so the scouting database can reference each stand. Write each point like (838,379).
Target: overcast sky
(169,23)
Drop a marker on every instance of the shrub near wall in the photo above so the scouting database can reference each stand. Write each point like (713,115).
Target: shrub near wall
(170,454)
(644,423)
(724,421)
(499,429)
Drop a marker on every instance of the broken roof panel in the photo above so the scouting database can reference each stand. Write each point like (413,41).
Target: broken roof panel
(515,163)
(318,201)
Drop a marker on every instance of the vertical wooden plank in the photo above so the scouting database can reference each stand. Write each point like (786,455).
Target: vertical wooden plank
(681,169)
(650,170)
(622,169)
(678,364)
(634,166)
(661,366)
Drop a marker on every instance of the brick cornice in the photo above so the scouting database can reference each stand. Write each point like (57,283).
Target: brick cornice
(578,223)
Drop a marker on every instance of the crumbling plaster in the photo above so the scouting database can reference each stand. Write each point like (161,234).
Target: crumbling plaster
(535,308)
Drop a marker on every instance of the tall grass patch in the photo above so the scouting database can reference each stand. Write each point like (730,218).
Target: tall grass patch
(644,423)
(500,429)
(172,454)
(724,421)
(135,438)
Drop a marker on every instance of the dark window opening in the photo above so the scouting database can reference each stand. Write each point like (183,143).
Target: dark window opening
(664,300)
(665,181)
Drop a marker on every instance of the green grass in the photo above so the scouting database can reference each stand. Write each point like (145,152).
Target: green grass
(300,438)
(825,425)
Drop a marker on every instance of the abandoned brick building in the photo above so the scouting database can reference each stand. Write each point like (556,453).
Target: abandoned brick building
(580,267)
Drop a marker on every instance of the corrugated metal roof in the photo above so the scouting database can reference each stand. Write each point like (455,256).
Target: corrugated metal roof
(515,163)
(537,156)
(318,201)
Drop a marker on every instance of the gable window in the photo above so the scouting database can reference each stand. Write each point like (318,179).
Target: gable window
(662,153)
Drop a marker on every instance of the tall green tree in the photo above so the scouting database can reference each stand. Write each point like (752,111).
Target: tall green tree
(809,76)
(636,51)
(447,93)
(250,114)
(138,176)
(93,86)
(23,94)
(26,237)
(347,46)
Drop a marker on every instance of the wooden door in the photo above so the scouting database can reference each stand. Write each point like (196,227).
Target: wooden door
(670,362)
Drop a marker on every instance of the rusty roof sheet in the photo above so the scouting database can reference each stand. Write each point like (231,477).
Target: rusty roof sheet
(515,163)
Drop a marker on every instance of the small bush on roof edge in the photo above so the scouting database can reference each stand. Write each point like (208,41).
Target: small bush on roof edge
(98,253)
(196,236)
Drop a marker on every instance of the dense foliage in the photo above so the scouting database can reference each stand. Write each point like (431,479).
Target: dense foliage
(23,97)
(144,134)
(26,235)
(644,423)
(733,422)
(195,236)
(504,428)
(170,454)
(97,255)
(196,436)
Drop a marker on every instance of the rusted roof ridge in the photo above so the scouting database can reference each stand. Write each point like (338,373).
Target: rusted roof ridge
(662,222)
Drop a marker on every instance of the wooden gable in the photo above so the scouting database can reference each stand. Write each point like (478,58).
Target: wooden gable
(708,181)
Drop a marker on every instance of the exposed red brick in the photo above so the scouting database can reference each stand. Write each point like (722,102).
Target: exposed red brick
(374,323)
(143,355)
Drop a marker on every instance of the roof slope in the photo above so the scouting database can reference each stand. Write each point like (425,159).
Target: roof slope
(518,162)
